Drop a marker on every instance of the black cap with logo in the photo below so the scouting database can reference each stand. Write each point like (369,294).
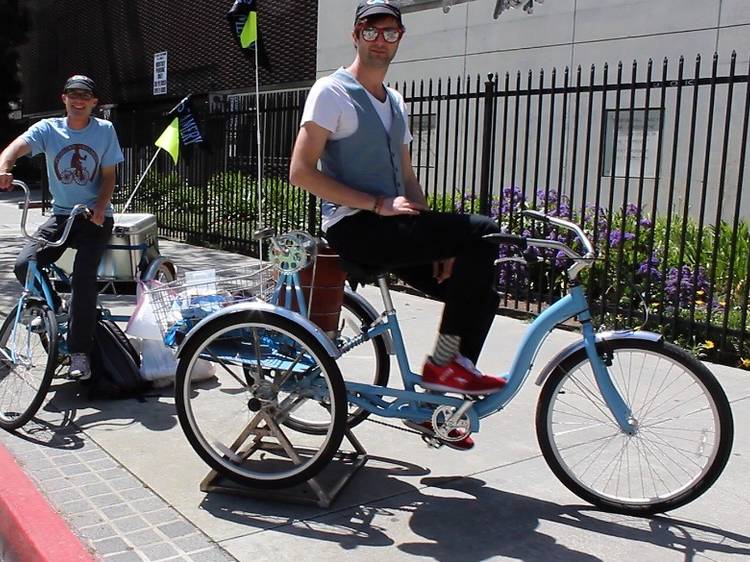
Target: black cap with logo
(80,82)
(367,8)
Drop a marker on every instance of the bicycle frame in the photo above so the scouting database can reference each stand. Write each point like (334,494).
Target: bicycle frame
(30,290)
(33,273)
(408,403)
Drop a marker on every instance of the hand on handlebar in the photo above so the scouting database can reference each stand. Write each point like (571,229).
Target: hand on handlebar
(96,216)
(6,181)
(400,206)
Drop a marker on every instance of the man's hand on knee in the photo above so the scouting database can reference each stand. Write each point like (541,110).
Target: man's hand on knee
(400,206)
(443,269)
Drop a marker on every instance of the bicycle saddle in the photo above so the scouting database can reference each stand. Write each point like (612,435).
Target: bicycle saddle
(362,273)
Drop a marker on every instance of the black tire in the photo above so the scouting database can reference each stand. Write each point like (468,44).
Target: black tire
(163,274)
(230,343)
(375,354)
(661,485)
(22,396)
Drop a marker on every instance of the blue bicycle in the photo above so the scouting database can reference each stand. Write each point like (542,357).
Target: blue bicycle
(31,337)
(625,420)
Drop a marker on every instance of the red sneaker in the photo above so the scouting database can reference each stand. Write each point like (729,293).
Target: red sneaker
(465,444)
(459,375)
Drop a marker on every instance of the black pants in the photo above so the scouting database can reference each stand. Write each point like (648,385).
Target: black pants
(407,245)
(90,240)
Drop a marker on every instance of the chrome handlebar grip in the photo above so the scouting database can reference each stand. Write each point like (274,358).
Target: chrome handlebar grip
(77,210)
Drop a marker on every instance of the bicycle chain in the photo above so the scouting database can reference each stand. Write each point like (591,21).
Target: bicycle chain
(397,427)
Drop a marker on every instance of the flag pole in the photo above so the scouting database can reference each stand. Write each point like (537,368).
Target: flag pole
(140,180)
(257,135)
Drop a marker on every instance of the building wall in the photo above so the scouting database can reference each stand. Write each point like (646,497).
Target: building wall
(467,42)
(559,33)
(114,41)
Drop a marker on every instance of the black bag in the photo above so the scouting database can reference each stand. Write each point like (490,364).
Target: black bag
(115,364)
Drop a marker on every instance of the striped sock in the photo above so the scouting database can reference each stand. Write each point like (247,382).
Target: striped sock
(446,349)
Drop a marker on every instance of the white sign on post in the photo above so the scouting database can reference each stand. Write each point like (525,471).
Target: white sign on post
(160,73)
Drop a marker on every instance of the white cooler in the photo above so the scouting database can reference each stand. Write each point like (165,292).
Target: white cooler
(125,258)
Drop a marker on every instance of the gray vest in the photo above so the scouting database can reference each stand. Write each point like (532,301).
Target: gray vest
(370,159)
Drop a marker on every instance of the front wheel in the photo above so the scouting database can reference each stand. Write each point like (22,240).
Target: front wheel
(28,357)
(266,368)
(682,441)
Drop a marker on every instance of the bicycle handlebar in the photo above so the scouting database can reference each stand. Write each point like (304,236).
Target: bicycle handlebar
(581,262)
(79,209)
(568,225)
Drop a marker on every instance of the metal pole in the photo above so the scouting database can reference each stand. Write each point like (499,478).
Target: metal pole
(484,186)
(258,155)
(140,181)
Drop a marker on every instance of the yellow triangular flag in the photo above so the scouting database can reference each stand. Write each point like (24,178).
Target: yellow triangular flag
(249,31)
(170,139)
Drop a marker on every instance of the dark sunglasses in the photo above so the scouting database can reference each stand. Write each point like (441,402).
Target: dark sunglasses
(390,34)
(79,95)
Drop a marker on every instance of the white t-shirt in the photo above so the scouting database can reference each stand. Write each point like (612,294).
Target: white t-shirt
(330,106)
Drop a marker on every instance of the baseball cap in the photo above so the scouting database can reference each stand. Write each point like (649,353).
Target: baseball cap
(79,82)
(367,8)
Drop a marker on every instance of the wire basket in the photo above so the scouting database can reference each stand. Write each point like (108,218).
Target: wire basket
(181,304)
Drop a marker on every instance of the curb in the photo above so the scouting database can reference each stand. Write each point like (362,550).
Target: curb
(30,529)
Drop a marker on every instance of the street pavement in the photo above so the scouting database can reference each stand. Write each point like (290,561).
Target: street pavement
(123,476)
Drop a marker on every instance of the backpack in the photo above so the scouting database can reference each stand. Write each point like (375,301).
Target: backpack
(115,364)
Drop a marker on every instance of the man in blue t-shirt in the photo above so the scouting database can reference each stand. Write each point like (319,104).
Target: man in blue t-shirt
(82,153)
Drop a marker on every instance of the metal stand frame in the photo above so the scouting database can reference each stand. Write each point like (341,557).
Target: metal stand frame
(321,490)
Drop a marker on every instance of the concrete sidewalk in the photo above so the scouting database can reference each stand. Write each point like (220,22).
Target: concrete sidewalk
(124,477)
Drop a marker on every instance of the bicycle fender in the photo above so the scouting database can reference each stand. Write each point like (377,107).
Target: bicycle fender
(267,308)
(600,337)
(362,301)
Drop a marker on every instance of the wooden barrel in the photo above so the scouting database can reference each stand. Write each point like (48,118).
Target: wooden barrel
(327,290)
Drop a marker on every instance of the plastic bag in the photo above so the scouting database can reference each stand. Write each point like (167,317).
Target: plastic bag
(159,365)
(143,323)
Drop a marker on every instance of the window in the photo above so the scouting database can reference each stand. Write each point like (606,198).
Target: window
(638,156)
(423,129)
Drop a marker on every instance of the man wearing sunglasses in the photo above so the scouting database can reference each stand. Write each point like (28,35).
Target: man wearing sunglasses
(82,153)
(375,212)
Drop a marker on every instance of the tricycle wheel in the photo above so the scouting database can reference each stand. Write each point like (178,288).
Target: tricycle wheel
(266,367)
(164,273)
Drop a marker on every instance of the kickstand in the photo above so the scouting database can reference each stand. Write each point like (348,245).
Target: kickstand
(321,490)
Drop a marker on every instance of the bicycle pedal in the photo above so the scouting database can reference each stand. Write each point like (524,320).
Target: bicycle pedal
(432,441)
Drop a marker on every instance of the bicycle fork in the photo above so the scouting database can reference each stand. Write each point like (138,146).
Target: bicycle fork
(611,395)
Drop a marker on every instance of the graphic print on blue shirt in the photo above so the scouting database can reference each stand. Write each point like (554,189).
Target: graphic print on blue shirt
(76,163)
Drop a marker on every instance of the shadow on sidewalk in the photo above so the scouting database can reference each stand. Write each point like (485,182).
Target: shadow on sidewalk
(70,398)
(464,519)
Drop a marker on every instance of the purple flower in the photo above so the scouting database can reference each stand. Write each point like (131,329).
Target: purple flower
(650,268)
(682,286)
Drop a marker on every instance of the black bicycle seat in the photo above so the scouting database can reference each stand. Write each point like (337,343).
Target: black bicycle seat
(361,272)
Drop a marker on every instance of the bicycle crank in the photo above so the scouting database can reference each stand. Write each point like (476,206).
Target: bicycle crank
(451,424)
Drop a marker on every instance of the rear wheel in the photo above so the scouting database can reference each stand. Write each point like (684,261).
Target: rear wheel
(367,362)
(682,441)
(266,367)
(28,355)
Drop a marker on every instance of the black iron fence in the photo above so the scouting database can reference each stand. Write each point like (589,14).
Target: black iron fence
(650,159)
